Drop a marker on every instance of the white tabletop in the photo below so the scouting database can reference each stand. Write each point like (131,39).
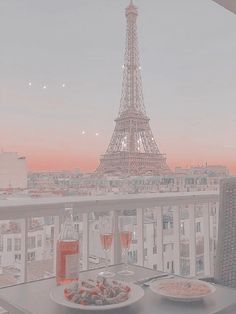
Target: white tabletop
(34,298)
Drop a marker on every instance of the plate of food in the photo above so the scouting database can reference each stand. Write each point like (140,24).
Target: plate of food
(184,290)
(101,294)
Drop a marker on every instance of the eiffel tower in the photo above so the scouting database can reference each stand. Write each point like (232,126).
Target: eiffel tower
(132,149)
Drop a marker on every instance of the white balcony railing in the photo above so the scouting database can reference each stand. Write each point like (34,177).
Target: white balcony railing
(173,232)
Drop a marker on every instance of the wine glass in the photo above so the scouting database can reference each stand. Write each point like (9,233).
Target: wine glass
(106,227)
(125,224)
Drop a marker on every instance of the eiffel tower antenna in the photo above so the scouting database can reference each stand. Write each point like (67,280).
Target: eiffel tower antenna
(132,149)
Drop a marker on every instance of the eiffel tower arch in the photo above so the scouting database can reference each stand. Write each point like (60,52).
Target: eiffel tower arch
(132,149)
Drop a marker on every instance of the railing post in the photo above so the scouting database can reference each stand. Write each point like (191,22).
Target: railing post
(85,248)
(159,237)
(24,239)
(116,247)
(176,220)
(56,232)
(192,246)
(206,231)
(140,236)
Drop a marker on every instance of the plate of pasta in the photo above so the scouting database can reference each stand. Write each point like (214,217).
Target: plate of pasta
(184,290)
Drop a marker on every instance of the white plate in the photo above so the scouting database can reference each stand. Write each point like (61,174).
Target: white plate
(156,288)
(136,293)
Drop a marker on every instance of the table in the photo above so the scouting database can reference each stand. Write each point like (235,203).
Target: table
(34,298)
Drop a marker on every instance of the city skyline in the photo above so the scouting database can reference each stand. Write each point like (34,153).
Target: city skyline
(50,95)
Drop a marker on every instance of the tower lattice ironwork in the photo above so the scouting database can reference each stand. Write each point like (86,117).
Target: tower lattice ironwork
(132,149)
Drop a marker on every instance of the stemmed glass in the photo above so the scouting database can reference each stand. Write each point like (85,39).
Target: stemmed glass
(106,229)
(125,224)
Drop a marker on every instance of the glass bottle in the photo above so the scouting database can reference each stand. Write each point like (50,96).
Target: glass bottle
(67,259)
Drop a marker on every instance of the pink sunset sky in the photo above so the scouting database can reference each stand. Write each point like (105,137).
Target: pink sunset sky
(187,52)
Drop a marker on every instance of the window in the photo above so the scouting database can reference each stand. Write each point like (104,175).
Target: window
(1,243)
(167,222)
(214,231)
(198,226)
(155,250)
(17,257)
(77,227)
(164,247)
(31,256)
(185,266)
(17,244)
(172,267)
(132,256)
(135,256)
(200,264)
(39,240)
(184,250)
(184,214)
(52,233)
(9,245)
(182,230)
(200,246)
(31,243)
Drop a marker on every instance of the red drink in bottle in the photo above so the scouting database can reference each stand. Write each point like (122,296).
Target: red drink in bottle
(67,263)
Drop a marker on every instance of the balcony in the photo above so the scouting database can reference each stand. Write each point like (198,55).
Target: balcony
(174,233)
(30,227)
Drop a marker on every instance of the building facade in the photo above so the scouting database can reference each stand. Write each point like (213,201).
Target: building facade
(13,171)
